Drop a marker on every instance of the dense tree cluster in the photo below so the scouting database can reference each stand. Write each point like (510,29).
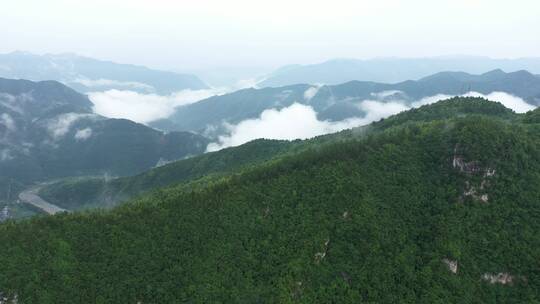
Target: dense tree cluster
(88,193)
(394,215)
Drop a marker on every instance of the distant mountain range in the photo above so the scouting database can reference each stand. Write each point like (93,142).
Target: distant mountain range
(48,130)
(391,70)
(338,102)
(86,74)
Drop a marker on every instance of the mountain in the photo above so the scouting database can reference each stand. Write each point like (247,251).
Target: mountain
(439,208)
(338,102)
(99,192)
(391,70)
(105,192)
(232,108)
(89,75)
(48,130)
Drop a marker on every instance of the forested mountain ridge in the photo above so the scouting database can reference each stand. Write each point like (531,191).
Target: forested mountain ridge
(102,192)
(441,210)
(343,101)
(84,193)
(48,130)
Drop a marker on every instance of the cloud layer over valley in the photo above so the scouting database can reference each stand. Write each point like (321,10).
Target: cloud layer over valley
(145,108)
(300,121)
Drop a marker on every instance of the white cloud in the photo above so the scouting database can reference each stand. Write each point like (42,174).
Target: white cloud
(298,122)
(310,93)
(430,100)
(295,121)
(510,101)
(60,125)
(101,82)
(376,110)
(84,134)
(144,108)
(8,122)
(11,102)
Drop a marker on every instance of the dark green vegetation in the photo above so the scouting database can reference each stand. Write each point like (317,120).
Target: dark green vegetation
(90,75)
(338,102)
(85,193)
(48,130)
(364,216)
(532,116)
(451,108)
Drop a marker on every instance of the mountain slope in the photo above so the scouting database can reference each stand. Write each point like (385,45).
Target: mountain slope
(441,211)
(233,108)
(47,130)
(521,84)
(87,74)
(84,193)
(104,192)
(390,70)
(339,102)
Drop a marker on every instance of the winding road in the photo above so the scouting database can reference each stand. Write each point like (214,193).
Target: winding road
(30,196)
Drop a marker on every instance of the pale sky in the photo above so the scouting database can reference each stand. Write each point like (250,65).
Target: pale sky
(200,34)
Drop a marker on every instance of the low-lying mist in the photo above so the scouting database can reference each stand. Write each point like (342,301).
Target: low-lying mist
(145,108)
(300,121)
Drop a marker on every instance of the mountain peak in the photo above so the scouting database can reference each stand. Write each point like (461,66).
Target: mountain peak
(447,75)
(523,73)
(495,72)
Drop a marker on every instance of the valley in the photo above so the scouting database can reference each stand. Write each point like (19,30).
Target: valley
(31,196)
(48,131)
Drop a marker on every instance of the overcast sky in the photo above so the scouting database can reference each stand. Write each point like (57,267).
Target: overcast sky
(200,34)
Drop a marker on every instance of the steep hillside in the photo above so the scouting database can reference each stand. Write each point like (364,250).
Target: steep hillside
(89,75)
(441,211)
(75,194)
(48,130)
(103,192)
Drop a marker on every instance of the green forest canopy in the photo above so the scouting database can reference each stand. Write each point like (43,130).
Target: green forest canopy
(372,216)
